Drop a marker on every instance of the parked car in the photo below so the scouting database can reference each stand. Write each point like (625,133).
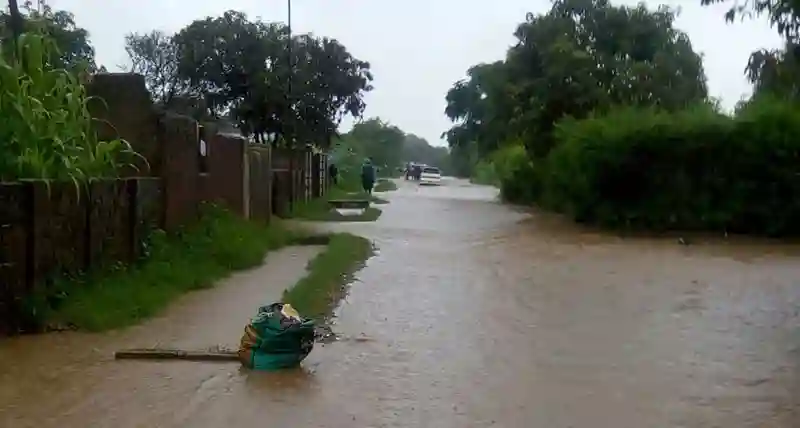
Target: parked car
(430,175)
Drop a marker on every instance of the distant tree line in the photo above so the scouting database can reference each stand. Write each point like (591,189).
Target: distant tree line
(387,146)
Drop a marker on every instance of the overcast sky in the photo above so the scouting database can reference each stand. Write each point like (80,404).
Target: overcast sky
(417,48)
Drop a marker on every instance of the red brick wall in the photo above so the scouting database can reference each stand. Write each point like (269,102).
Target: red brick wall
(178,138)
(125,110)
(259,160)
(46,231)
(226,171)
(63,229)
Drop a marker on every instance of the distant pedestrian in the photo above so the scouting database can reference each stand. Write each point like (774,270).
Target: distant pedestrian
(367,176)
(333,173)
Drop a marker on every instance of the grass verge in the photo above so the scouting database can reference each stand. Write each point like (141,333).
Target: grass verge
(329,273)
(385,185)
(218,244)
(319,209)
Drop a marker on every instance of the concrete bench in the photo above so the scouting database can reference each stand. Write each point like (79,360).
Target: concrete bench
(349,203)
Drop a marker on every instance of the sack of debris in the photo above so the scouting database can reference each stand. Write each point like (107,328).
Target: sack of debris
(278,337)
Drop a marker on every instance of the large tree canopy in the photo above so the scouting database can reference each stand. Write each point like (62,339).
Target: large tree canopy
(772,72)
(294,90)
(579,57)
(154,55)
(74,50)
(378,140)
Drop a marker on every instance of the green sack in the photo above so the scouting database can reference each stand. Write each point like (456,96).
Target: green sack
(276,341)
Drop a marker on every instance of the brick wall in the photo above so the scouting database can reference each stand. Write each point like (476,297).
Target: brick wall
(50,230)
(64,229)
(260,178)
(226,163)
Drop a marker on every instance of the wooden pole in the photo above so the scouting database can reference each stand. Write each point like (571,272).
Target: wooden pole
(175,354)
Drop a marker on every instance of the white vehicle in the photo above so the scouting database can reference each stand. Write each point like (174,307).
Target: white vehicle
(430,175)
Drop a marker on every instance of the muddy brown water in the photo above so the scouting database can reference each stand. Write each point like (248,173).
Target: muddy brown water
(478,315)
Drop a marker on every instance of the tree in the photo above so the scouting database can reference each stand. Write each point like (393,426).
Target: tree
(417,149)
(333,83)
(378,140)
(582,56)
(244,68)
(482,104)
(783,14)
(775,72)
(72,42)
(388,146)
(154,55)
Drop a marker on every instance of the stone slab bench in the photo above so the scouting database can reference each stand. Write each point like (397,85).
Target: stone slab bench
(349,203)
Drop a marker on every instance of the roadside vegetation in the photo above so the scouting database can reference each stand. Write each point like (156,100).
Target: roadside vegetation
(174,264)
(602,113)
(318,293)
(41,87)
(385,185)
(387,146)
(195,259)
(45,61)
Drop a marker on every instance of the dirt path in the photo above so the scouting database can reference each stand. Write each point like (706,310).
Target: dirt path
(479,315)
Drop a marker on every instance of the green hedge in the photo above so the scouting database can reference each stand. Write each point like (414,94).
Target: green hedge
(689,170)
(515,174)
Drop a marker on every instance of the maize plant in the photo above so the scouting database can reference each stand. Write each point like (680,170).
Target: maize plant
(46,131)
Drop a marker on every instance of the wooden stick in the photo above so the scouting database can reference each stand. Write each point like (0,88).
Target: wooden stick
(175,354)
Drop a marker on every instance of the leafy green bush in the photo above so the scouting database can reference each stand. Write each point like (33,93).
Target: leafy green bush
(518,174)
(47,131)
(485,172)
(693,169)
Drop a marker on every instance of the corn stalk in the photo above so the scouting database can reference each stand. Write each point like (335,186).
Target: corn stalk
(46,131)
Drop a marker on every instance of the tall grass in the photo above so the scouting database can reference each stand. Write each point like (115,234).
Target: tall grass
(46,131)
(219,243)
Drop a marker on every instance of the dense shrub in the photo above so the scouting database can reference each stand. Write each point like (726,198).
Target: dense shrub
(694,169)
(484,172)
(519,179)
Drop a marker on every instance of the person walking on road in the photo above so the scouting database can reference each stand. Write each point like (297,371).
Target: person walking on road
(333,173)
(367,176)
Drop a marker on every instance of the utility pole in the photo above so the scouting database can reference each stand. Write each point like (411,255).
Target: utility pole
(287,127)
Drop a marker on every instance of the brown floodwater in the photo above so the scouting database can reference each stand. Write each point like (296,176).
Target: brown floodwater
(478,315)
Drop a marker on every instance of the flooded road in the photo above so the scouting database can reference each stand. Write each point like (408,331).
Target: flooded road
(479,315)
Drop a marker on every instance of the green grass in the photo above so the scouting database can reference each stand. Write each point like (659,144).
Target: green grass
(385,185)
(329,273)
(218,244)
(320,210)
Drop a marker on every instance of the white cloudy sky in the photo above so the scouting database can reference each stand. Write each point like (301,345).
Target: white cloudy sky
(417,48)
